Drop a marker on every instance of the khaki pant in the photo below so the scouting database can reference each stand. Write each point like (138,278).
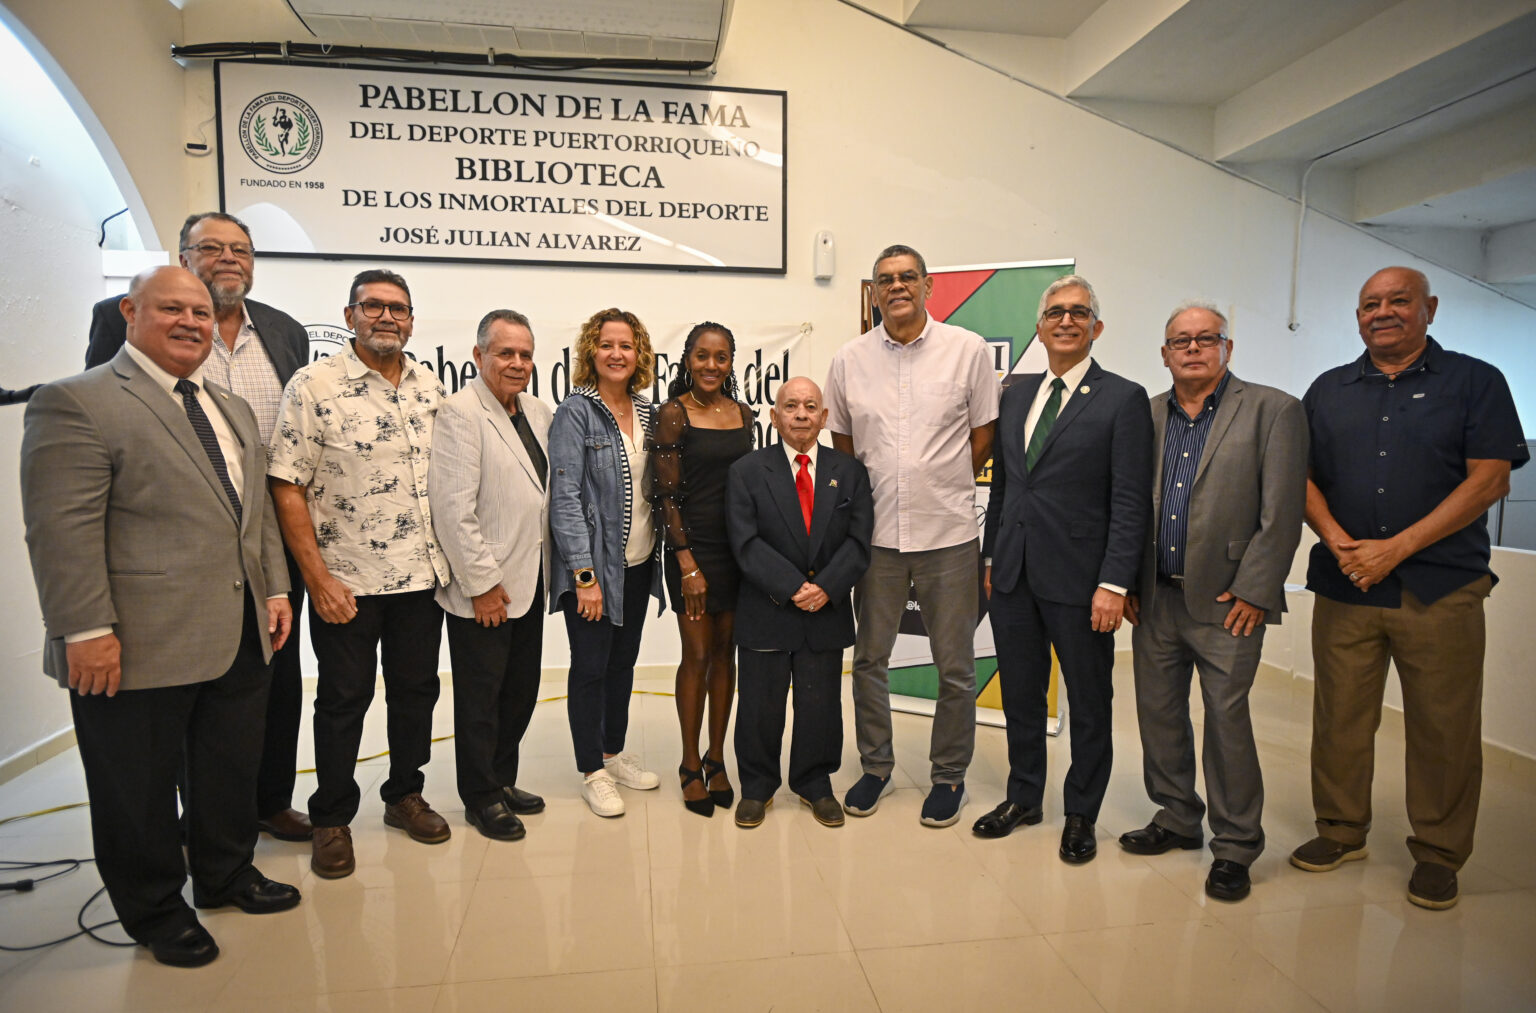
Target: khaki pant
(1438,650)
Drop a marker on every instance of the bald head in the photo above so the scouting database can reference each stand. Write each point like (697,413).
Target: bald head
(1394,314)
(798,412)
(170,318)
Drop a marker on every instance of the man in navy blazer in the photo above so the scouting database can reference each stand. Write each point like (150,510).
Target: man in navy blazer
(256,351)
(800,517)
(1071,500)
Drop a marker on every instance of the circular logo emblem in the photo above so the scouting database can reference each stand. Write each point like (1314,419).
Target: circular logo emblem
(326,340)
(280,132)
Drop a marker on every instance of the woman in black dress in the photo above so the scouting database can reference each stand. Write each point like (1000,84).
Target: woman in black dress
(699,433)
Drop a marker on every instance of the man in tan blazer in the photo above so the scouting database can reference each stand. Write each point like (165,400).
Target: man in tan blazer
(490,499)
(160,573)
(1227,500)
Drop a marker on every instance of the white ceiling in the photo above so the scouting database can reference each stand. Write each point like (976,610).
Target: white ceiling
(1420,115)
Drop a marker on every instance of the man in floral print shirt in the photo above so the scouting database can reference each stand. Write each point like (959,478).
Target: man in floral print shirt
(348,470)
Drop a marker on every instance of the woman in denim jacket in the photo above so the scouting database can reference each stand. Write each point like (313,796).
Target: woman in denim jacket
(606,561)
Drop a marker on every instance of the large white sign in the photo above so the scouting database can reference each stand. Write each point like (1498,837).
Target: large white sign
(427,165)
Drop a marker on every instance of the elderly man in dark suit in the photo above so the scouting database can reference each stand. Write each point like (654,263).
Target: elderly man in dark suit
(1071,494)
(160,573)
(1228,495)
(800,518)
(258,350)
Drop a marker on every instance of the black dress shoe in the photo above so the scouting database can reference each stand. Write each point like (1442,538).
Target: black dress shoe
(524,803)
(1001,821)
(1228,880)
(1077,842)
(1154,839)
(260,897)
(191,947)
(496,821)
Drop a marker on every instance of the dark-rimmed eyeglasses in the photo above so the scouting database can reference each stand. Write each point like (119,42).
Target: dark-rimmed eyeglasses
(1180,343)
(373,309)
(1079,314)
(210,248)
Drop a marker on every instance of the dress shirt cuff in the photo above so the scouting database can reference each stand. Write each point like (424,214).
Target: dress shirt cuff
(987,561)
(277,597)
(91,634)
(1112,587)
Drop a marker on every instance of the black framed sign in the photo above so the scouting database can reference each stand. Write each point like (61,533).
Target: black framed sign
(370,163)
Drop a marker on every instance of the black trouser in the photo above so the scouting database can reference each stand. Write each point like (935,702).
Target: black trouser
(495,686)
(133,747)
(1025,628)
(603,669)
(816,744)
(403,631)
(285,709)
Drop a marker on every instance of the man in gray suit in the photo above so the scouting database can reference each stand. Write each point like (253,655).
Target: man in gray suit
(160,573)
(490,496)
(256,350)
(1227,506)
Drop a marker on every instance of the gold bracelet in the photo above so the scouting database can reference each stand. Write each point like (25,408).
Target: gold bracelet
(693,573)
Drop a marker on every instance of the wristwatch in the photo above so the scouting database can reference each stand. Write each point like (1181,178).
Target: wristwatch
(585,577)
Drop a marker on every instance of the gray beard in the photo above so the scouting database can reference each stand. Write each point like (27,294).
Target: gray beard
(226,298)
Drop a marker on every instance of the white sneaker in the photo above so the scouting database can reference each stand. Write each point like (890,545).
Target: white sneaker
(602,794)
(627,771)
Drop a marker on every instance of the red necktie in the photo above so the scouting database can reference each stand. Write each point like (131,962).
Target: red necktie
(804,488)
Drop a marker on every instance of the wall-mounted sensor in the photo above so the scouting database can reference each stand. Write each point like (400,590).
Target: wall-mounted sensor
(824,256)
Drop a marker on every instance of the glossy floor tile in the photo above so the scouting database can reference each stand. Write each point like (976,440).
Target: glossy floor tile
(664,910)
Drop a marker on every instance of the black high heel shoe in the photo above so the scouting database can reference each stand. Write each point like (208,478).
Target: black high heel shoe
(723,797)
(701,806)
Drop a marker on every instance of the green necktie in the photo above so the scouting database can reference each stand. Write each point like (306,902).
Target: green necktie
(1045,424)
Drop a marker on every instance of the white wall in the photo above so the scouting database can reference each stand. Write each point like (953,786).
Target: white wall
(892,139)
(54,189)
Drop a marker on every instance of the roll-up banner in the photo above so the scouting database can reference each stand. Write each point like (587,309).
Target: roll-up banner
(383,164)
(997,301)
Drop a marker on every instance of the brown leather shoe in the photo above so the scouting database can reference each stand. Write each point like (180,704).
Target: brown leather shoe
(415,817)
(287,825)
(331,852)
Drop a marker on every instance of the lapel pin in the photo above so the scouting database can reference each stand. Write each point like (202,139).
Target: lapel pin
(223,395)
(832,482)
(1083,389)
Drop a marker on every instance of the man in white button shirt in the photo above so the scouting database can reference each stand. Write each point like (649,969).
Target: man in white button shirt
(161,579)
(915,400)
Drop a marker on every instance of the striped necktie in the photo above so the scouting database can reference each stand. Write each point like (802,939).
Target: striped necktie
(205,435)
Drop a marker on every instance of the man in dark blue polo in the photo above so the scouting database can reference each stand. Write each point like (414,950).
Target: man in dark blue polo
(1411,444)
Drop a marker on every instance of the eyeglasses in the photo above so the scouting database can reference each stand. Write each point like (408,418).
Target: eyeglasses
(373,309)
(209,248)
(907,278)
(1179,344)
(1079,314)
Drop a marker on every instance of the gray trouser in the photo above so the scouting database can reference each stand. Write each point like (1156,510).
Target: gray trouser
(945,581)
(1167,645)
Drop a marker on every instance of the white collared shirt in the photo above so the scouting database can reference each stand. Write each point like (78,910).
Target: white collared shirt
(229,443)
(910,410)
(1073,378)
(794,465)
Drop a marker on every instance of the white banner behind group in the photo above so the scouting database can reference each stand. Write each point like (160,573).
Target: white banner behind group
(431,165)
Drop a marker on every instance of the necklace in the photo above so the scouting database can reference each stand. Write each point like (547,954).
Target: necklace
(700,405)
(618,414)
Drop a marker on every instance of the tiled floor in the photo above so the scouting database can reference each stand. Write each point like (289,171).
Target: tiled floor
(663,910)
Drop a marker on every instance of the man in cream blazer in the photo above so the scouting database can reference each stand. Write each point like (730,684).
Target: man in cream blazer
(490,503)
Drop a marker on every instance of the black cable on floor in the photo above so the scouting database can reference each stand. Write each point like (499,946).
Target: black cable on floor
(27,885)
